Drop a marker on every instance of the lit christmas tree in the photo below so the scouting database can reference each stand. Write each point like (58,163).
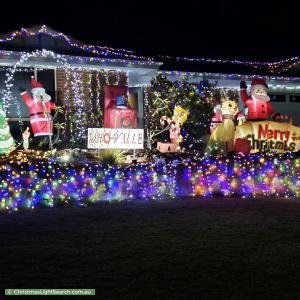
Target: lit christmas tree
(6,141)
(197,98)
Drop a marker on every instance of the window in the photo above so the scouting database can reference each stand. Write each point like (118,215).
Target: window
(277,98)
(295,99)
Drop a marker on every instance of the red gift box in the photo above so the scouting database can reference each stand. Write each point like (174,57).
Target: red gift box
(120,118)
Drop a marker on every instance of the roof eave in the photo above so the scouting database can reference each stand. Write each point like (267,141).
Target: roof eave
(9,58)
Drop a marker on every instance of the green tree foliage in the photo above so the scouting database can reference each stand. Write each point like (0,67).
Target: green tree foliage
(6,140)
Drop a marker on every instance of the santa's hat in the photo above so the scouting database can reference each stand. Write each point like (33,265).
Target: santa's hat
(36,86)
(259,82)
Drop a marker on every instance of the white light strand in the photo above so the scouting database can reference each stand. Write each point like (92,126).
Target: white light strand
(98,97)
(67,104)
(8,98)
(74,77)
(90,111)
(80,113)
(98,50)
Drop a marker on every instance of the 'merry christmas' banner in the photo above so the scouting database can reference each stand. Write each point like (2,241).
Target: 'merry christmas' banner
(268,135)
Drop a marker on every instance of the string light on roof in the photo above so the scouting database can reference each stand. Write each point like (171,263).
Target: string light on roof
(97,50)
(131,55)
(255,64)
(87,60)
(228,76)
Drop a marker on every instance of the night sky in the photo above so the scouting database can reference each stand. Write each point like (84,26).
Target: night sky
(215,29)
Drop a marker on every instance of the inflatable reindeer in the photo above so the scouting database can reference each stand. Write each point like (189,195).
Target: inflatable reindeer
(223,135)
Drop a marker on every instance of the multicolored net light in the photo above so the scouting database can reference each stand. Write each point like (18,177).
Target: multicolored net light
(45,183)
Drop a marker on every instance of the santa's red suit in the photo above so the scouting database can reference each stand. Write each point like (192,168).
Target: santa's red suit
(40,107)
(257,109)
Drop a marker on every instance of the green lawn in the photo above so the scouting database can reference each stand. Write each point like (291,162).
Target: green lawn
(188,249)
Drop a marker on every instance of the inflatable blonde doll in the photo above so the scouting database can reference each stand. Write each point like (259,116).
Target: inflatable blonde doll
(175,123)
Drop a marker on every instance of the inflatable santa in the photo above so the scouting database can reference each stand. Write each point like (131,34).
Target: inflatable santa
(40,107)
(258,106)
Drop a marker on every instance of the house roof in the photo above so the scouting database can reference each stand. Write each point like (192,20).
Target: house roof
(43,37)
(287,68)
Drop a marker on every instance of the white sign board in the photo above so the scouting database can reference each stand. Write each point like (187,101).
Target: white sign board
(113,138)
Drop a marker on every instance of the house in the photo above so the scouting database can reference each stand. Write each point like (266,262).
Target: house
(76,74)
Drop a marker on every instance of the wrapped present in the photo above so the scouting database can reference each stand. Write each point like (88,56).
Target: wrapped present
(167,147)
(120,118)
(242,146)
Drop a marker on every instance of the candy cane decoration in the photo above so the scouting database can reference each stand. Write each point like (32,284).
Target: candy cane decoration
(164,119)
